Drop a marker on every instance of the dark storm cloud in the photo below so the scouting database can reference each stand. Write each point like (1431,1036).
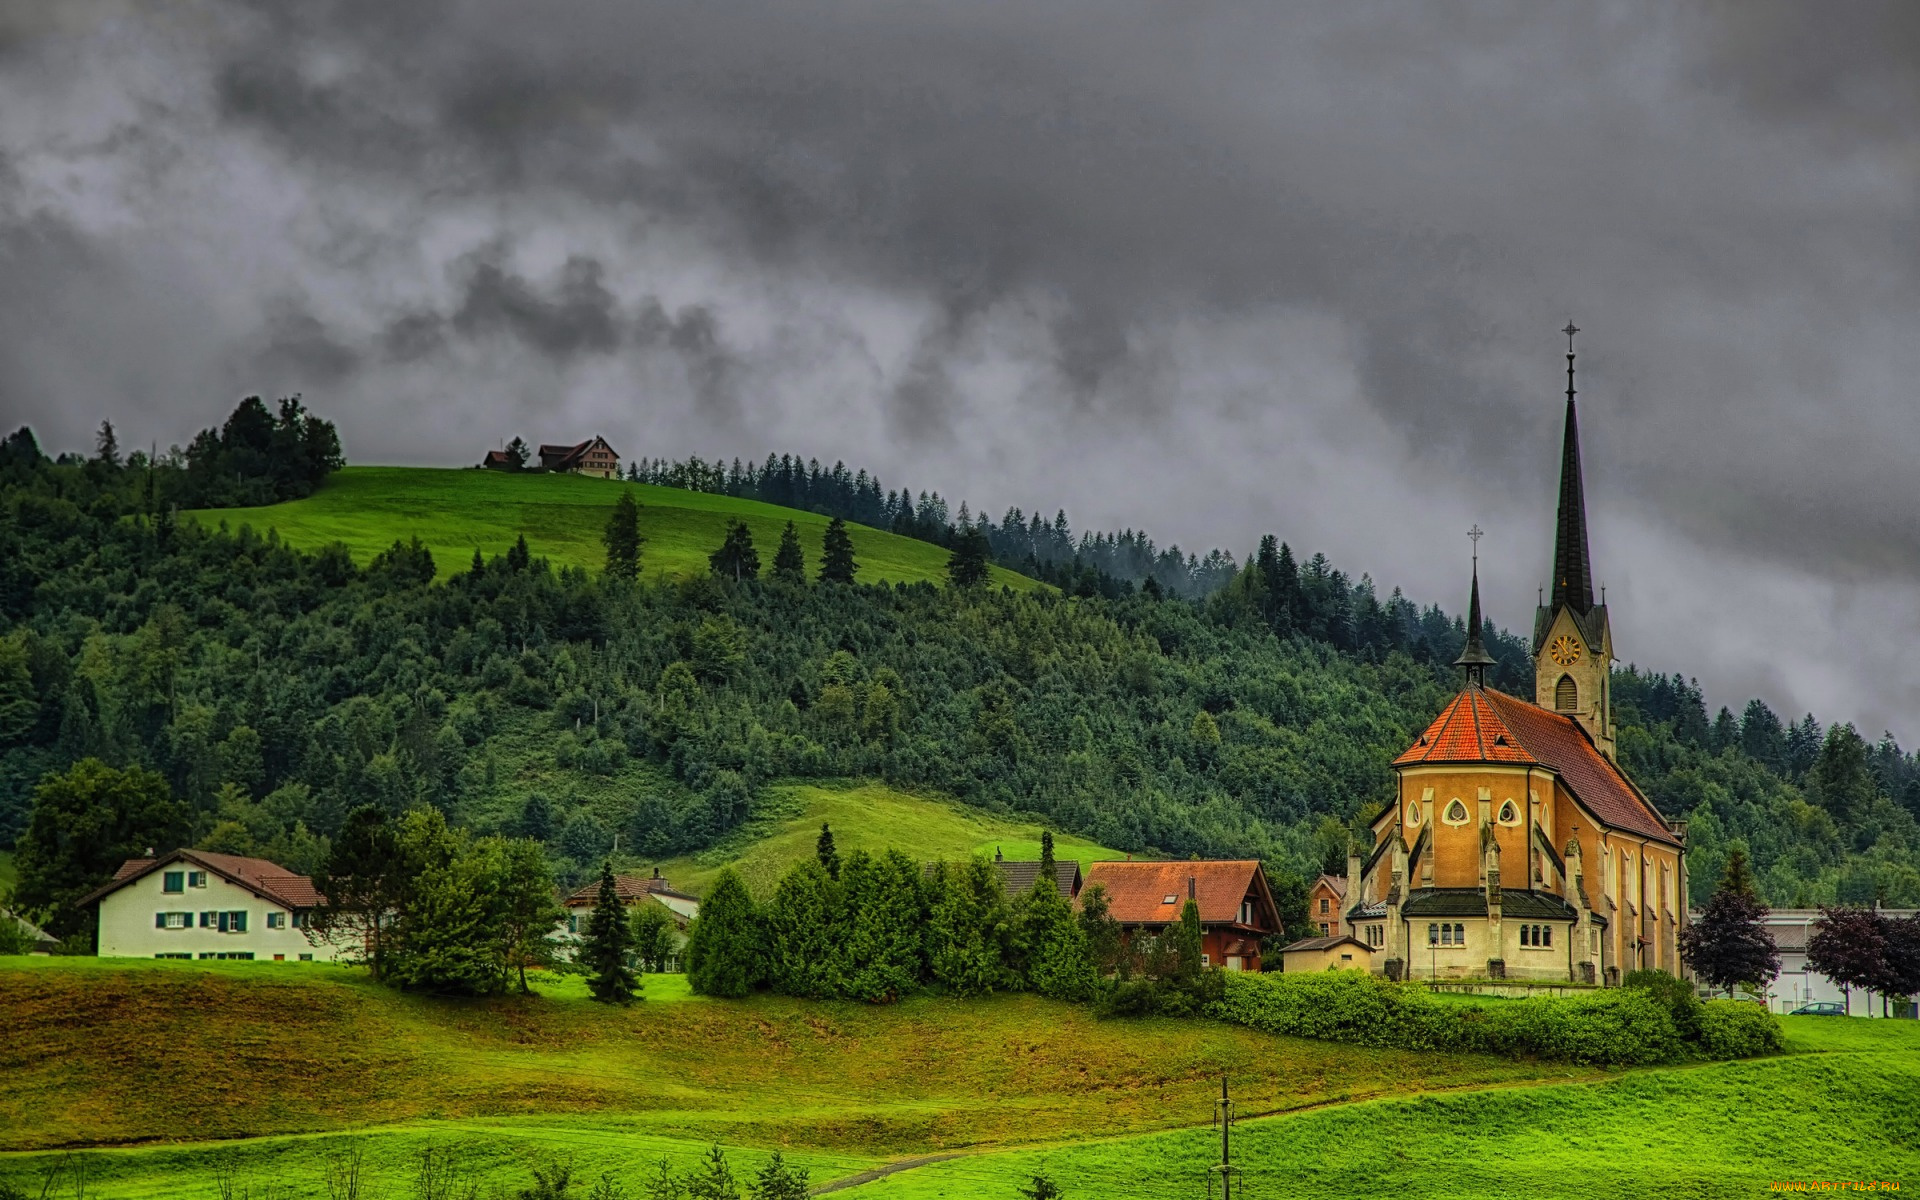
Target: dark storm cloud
(1294,265)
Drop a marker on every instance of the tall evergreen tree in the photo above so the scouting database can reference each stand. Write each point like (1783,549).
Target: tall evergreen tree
(736,558)
(519,557)
(777,1181)
(1729,944)
(622,538)
(788,562)
(968,928)
(836,554)
(725,950)
(517,454)
(882,951)
(1105,944)
(1047,864)
(967,565)
(823,849)
(608,941)
(805,925)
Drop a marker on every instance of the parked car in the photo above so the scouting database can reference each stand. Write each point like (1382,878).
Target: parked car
(1819,1008)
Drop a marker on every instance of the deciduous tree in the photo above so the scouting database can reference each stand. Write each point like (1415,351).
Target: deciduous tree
(1729,944)
(86,821)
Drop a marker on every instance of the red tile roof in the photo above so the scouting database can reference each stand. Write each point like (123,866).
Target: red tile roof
(1483,725)
(630,888)
(1467,730)
(269,880)
(1337,883)
(1137,891)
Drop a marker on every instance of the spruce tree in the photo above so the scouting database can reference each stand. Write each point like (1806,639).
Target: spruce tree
(777,1181)
(836,554)
(736,559)
(968,928)
(967,565)
(725,950)
(823,850)
(882,953)
(1060,961)
(519,557)
(788,562)
(622,538)
(607,944)
(1048,868)
(1730,944)
(805,928)
(713,1180)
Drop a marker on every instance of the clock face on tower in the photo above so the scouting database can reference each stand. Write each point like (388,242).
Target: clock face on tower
(1565,650)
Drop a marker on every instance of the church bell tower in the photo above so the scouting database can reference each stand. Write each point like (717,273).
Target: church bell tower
(1572,640)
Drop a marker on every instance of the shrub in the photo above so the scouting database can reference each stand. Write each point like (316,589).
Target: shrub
(1676,995)
(1621,1027)
(1737,1029)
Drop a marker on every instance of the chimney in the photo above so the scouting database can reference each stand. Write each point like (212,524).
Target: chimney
(1189,887)
(656,872)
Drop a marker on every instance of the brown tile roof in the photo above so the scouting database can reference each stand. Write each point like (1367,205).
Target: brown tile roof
(1018,877)
(1137,891)
(567,456)
(1467,730)
(1337,882)
(630,888)
(1483,725)
(266,879)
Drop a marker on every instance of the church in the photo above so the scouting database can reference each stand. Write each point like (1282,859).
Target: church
(1519,848)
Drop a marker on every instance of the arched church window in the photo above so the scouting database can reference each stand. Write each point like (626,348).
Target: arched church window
(1509,815)
(1566,695)
(1456,813)
(1413,814)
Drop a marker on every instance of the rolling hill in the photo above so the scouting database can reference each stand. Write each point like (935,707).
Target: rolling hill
(867,816)
(455,512)
(165,1076)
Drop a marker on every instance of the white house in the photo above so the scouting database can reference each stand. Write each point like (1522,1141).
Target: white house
(197,904)
(1798,983)
(633,890)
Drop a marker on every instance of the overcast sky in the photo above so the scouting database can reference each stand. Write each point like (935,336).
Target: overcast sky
(1208,269)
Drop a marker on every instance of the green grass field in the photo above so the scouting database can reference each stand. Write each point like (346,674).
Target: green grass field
(865,816)
(184,1065)
(456,512)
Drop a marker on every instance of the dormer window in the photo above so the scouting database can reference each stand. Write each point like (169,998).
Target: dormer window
(1170,900)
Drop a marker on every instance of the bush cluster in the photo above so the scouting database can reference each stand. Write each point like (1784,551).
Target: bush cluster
(1627,1026)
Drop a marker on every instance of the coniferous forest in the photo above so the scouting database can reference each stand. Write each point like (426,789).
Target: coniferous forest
(268,693)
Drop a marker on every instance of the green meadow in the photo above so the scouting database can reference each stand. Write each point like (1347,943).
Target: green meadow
(156,1078)
(865,816)
(455,512)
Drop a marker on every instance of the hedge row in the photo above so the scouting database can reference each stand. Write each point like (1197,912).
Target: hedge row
(1617,1027)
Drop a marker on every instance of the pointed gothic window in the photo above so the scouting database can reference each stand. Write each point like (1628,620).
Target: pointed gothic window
(1509,815)
(1456,813)
(1566,695)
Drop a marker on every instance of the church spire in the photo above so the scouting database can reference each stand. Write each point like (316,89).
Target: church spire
(1572,569)
(1474,656)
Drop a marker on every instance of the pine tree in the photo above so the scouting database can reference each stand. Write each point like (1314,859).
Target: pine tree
(968,927)
(1187,943)
(967,565)
(714,1180)
(725,953)
(882,951)
(736,558)
(823,849)
(805,930)
(478,567)
(517,454)
(836,554)
(607,944)
(777,1181)
(1041,1188)
(536,817)
(1048,867)
(788,562)
(1730,944)
(107,447)
(519,558)
(622,538)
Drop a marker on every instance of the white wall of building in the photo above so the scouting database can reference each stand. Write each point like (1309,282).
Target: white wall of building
(266,930)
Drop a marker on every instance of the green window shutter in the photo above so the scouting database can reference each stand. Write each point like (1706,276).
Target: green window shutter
(240,922)
(159,920)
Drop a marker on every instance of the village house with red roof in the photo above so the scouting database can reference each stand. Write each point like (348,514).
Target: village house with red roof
(1236,907)
(1518,847)
(198,904)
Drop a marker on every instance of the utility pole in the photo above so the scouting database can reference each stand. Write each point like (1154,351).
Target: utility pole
(1223,1117)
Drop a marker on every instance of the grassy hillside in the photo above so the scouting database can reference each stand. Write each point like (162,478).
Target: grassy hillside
(456,512)
(270,1068)
(866,816)
(1729,1129)
(100,1052)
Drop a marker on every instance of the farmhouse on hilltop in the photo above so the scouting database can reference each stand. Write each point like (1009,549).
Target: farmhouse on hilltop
(198,904)
(1236,909)
(591,457)
(1518,847)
